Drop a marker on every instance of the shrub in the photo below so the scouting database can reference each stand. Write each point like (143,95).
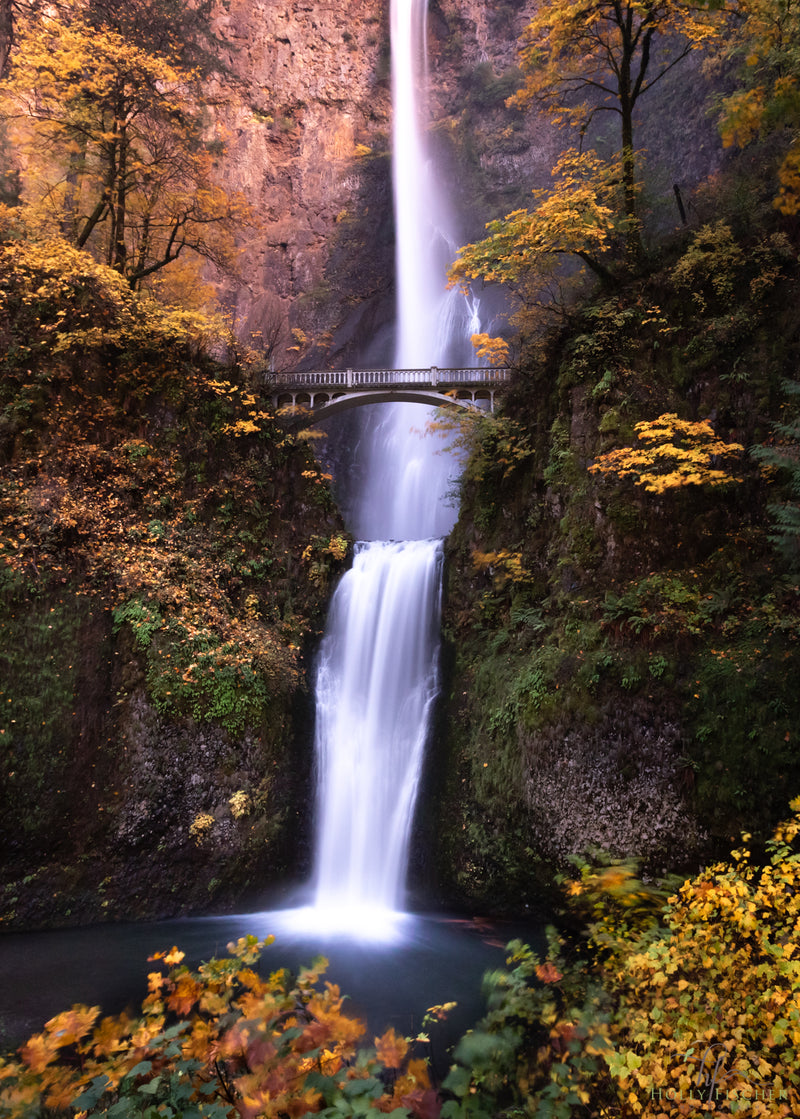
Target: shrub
(215,1042)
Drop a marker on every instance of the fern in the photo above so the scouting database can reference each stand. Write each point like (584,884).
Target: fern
(782,459)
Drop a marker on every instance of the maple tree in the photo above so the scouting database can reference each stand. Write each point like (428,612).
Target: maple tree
(580,60)
(494,350)
(116,154)
(671,453)
(766,42)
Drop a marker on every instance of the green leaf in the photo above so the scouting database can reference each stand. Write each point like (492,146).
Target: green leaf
(89,1098)
(140,1069)
(123,1107)
(458,1080)
(369,1087)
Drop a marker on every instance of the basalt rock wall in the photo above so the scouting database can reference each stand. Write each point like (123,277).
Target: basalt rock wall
(308,144)
(308,140)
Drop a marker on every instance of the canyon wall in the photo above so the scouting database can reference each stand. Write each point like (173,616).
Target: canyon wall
(308,144)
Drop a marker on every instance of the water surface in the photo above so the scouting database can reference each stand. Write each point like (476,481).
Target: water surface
(431,960)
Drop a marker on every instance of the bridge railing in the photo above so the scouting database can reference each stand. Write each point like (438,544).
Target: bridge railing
(363,378)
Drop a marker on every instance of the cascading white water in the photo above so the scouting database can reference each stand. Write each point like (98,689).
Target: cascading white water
(377,674)
(376,682)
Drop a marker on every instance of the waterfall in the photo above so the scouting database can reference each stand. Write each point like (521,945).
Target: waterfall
(377,674)
(376,682)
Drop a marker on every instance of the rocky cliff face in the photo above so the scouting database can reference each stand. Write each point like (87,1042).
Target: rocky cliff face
(309,146)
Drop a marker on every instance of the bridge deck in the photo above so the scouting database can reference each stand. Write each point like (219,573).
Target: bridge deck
(355,379)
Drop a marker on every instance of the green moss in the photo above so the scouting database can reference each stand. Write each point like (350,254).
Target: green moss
(562,469)
(40,658)
(624,514)
(743,720)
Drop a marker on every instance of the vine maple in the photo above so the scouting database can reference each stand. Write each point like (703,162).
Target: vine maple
(217,1042)
(117,155)
(672,453)
(711,1011)
(678,1006)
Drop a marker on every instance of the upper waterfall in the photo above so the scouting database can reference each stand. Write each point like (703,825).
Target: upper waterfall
(419,257)
(410,472)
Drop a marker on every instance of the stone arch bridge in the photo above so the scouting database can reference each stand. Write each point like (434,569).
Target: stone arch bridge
(308,398)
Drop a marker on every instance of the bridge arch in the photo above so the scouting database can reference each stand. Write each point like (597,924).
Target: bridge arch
(323,410)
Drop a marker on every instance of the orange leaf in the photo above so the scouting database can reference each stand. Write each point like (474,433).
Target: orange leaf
(391,1049)
(187,991)
(548,973)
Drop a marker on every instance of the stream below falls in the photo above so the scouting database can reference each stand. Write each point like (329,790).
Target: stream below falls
(431,960)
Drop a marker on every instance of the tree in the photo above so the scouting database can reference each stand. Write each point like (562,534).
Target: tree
(6,34)
(767,41)
(580,59)
(105,108)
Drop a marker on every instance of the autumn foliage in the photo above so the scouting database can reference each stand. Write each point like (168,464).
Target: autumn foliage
(577,217)
(115,151)
(581,62)
(671,453)
(672,1006)
(89,491)
(764,44)
(710,1011)
(218,1042)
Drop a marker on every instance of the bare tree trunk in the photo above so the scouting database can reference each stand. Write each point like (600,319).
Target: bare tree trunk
(144,247)
(633,240)
(6,34)
(119,249)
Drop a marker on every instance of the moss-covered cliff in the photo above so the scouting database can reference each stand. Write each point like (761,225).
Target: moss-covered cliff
(166,558)
(625,661)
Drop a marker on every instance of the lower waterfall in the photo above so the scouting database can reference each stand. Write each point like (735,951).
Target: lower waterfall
(377,679)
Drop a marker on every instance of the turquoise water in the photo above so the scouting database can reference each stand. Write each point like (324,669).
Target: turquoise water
(432,960)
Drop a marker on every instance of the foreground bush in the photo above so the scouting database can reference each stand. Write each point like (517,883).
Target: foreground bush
(691,1010)
(215,1043)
